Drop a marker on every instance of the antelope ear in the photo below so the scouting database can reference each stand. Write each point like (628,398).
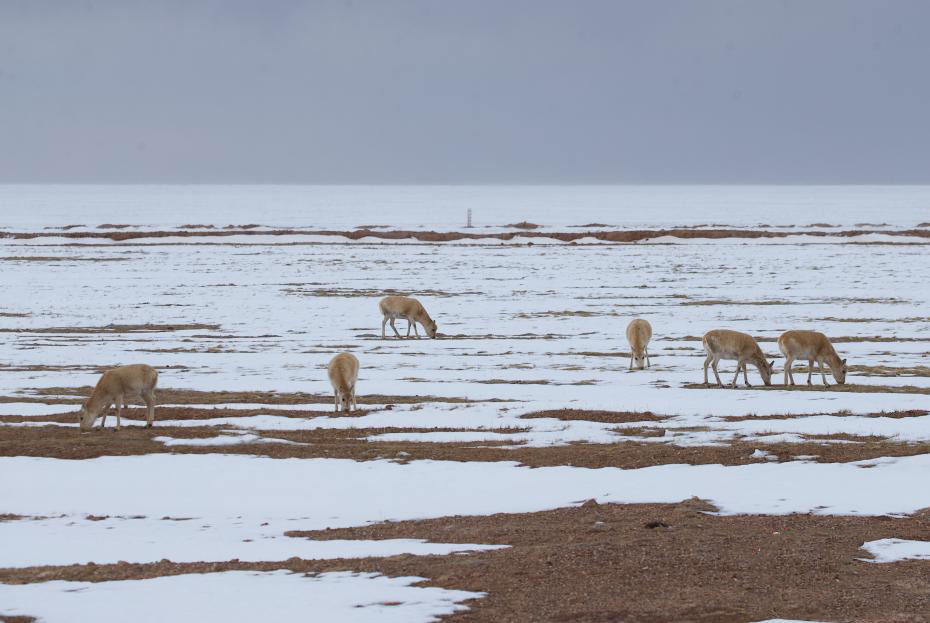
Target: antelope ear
(844,362)
(772,364)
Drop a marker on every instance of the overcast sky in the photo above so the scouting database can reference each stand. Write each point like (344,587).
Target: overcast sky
(469,91)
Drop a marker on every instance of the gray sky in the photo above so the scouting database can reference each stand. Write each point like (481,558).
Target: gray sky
(471,91)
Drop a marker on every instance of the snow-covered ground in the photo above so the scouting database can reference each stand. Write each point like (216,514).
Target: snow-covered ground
(209,498)
(235,596)
(537,327)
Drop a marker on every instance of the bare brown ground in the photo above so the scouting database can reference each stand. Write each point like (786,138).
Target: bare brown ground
(642,563)
(433,236)
(361,443)
(194,397)
(849,388)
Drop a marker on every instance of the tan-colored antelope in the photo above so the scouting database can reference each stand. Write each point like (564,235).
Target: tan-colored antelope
(638,334)
(343,374)
(733,345)
(113,387)
(815,347)
(393,307)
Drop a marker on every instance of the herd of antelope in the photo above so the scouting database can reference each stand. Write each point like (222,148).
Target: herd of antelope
(140,379)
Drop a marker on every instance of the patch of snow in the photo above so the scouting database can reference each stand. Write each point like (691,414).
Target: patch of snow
(235,596)
(893,550)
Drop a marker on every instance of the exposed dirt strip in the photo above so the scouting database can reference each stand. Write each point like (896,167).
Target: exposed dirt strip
(632,563)
(848,388)
(195,397)
(361,444)
(632,235)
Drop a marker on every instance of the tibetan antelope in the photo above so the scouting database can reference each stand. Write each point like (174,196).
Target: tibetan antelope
(638,334)
(393,307)
(815,347)
(343,374)
(113,387)
(733,345)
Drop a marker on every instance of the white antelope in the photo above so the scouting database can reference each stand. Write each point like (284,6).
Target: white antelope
(638,334)
(813,346)
(393,307)
(343,374)
(733,345)
(113,387)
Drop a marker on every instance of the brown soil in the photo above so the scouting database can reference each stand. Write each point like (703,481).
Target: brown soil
(432,236)
(643,563)
(360,444)
(194,397)
(849,388)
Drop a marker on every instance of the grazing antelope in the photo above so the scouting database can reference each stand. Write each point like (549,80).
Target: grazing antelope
(638,334)
(813,346)
(393,307)
(113,387)
(343,374)
(733,345)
